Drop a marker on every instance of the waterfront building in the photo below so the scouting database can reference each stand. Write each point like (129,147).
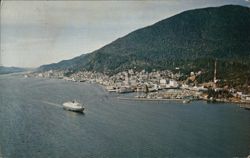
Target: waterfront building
(163,82)
(172,84)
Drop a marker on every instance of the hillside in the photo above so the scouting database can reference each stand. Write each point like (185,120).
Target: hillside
(190,40)
(65,64)
(7,70)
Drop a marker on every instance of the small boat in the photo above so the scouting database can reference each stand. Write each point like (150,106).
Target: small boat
(247,108)
(124,90)
(73,106)
(185,101)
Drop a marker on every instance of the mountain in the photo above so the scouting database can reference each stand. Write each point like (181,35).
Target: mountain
(7,70)
(190,40)
(65,64)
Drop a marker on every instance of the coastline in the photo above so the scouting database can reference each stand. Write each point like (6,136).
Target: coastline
(148,99)
(106,112)
(245,105)
(240,104)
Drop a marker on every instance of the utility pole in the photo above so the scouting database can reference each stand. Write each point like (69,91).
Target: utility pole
(215,73)
(215,67)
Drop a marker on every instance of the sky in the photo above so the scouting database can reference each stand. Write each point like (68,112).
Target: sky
(34,33)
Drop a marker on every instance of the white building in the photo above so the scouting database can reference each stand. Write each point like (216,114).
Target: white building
(40,75)
(172,84)
(163,82)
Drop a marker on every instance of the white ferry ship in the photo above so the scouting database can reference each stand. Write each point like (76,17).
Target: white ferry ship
(73,106)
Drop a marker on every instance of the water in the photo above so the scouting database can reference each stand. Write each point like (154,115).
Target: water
(33,124)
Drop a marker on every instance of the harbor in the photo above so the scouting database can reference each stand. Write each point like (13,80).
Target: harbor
(125,79)
(39,127)
(156,85)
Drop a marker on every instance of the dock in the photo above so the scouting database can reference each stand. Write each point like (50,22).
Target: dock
(148,99)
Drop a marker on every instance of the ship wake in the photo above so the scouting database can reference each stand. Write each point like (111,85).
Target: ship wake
(50,103)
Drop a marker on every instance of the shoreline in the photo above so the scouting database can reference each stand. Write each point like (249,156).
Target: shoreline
(245,105)
(240,104)
(148,99)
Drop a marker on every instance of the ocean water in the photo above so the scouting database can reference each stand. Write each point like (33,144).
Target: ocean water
(34,124)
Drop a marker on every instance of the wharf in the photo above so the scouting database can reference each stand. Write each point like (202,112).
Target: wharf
(148,99)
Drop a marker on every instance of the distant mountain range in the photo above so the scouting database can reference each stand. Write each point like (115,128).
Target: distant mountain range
(7,70)
(191,40)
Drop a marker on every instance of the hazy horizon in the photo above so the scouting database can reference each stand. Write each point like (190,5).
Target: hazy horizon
(44,32)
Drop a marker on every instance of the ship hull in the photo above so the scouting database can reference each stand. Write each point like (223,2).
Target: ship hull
(81,110)
(72,106)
